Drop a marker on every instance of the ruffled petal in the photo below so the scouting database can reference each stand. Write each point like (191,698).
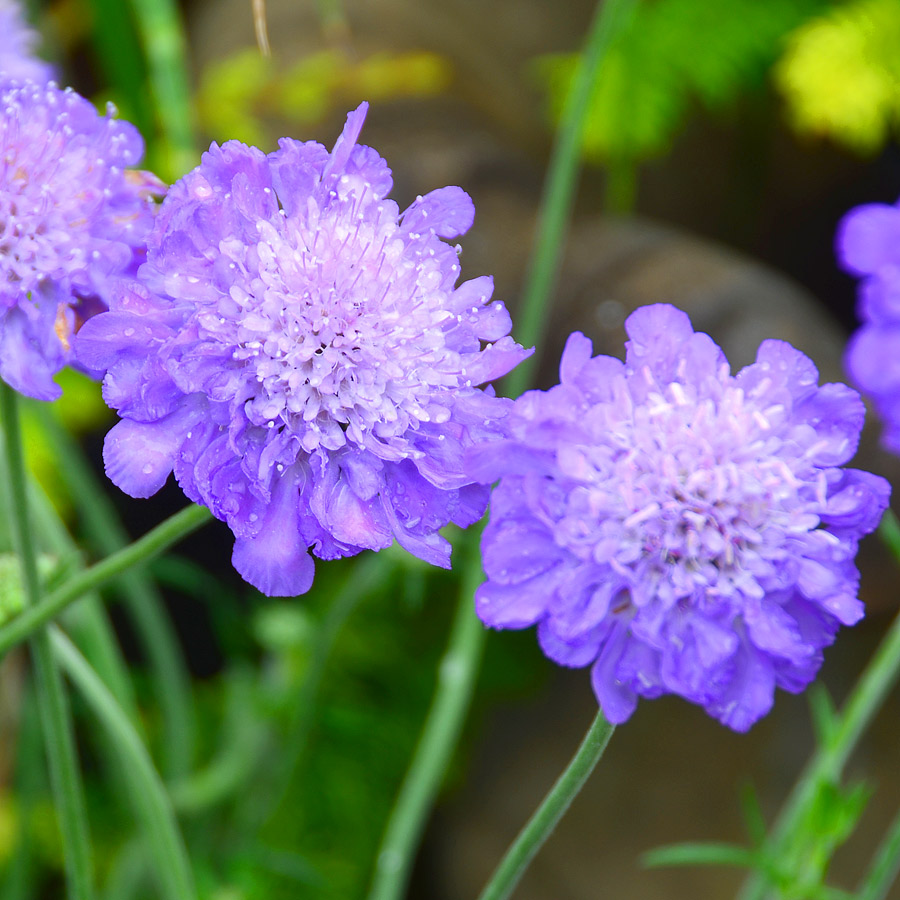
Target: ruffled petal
(275,561)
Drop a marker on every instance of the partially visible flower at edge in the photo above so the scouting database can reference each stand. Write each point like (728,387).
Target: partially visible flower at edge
(680,529)
(868,245)
(298,352)
(73,220)
(17,43)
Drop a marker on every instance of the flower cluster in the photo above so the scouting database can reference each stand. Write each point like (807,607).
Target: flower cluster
(868,245)
(682,529)
(72,221)
(298,352)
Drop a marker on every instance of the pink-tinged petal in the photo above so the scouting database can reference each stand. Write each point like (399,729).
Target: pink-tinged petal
(346,142)
(296,169)
(139,456)
(616,698)
(858,501)
(774,631)
(488,462)
(750,692)
(575,357)
(837,413)
(496,360)
(30,354)
(346,517)
(515,605)
(574,654)
(448,210)
(473,501)
(276,561)
(516,551)
(473,293)
(105,339)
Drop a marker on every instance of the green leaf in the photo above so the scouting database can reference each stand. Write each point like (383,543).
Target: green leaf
(701,853)
(824,715)
(676,53)
(752,814)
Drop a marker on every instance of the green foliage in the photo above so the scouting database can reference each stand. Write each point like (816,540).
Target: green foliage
(798,871)
(673,54)
(840,75)
(241,95)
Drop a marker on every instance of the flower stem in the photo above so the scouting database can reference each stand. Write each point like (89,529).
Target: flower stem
(610,17)
(59,739)
(163,536)
(827,765)
(540,826)
(148,793)
(440,733)
(161,33)
(884,868)
(88,623)
(144,603)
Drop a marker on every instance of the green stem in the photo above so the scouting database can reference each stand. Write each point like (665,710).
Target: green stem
(540,826)
(148,793)
(826,766)
(87,622)
(162,36)
(164,535)
(440,733)
(21,877)
(884,868)
(889,532)
(145,605)
(610,18)
(59,739)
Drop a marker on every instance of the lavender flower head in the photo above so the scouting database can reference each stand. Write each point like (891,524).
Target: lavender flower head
(303,360)
(681,529)
(17,43)
(868,245)
(72,221)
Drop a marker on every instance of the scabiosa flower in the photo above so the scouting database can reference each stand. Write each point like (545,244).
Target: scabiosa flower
(868,245)
(72,220)
(303,360)
(681,529)
(17,43)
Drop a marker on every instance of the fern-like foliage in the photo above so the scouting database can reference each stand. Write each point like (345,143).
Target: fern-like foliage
(840,74)
(673,54)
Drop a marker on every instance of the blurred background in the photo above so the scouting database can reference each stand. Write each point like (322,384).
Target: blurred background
(725,142)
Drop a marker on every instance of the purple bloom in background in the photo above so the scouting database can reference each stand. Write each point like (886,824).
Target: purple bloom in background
(72,221)
(680,529)
(868,245)
(17,43)
(301,357)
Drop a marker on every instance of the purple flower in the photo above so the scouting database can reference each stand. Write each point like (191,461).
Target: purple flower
(302,359)
(868,245)
(680,529)
(72,221)
(17,42)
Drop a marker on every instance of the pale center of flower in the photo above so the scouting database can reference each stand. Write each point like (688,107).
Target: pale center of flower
(342,329)
(705,494)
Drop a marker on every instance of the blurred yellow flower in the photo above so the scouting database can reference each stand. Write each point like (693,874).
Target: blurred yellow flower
(840,75)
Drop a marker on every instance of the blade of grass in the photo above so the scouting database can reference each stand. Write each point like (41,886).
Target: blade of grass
(148,793)
(171,679)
